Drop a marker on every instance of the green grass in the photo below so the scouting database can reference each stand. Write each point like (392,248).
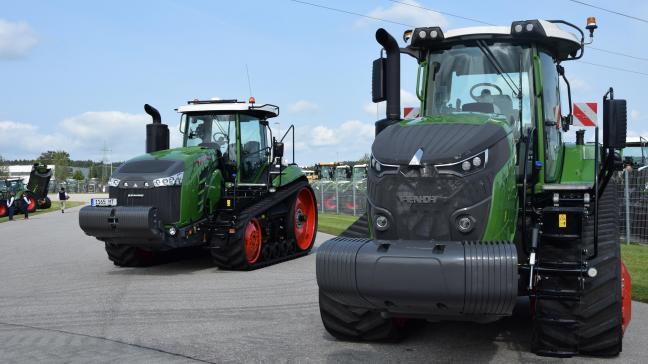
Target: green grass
(636,260)
(634,256)
(334,224)
(55,207)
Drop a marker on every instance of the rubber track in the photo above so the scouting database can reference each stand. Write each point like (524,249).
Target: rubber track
(596,320)
(127,256)
(234,257)
(356,324)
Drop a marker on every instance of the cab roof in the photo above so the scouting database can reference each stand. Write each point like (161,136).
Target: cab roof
(265,111)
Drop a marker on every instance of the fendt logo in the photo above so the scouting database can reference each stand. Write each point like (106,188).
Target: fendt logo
(418,199)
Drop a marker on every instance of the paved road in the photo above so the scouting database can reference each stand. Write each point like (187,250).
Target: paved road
(61,300)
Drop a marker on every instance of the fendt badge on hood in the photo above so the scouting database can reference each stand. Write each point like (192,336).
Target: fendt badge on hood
(418,199)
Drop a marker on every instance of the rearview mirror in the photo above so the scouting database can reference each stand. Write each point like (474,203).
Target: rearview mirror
(278,149)
(378,80)
(615,123)
(183,124)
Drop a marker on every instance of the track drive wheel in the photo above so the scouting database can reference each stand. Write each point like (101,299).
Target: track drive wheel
(3,208)
(595,322)
(129,256)
(302,219)
(357,324)
(31,206)
(45,203)
(244,252)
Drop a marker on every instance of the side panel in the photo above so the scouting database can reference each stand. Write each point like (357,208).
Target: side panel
(502,216)
(578,164)
(289,174)
(195,187)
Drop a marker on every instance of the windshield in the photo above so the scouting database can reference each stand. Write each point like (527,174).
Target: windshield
(326,172)
(359,173)
(211,130)
(341,174)
(480,78)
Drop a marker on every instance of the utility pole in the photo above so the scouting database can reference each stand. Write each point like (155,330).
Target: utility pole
(106,159)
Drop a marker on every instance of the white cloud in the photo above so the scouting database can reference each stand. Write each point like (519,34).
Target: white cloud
(407,99)
(302,106)
(406,14)
(16,39)
(322,135)
(8,127)
(350,133)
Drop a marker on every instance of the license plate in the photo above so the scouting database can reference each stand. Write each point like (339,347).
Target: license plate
(103,202)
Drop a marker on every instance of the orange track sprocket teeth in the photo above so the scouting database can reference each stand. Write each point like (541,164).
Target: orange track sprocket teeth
(252,240)
(304,215)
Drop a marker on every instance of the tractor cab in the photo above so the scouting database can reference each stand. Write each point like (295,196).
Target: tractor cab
(238,132)
(342,173)
(325,171)
(636,152)
(359,172)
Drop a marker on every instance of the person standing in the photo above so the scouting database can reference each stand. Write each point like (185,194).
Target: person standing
(62,198)
(11,204)
(25,205)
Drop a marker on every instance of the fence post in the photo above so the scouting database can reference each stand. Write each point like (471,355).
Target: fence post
(322,194)
(354,198)
(627,204)
(337,198)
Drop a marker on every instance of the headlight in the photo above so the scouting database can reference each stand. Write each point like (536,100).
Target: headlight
(465,167)
(381,168)
(113,182)
(175,180)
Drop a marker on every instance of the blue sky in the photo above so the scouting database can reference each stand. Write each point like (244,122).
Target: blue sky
(75,74)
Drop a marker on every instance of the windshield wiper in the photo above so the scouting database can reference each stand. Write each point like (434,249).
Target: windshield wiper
(517,91)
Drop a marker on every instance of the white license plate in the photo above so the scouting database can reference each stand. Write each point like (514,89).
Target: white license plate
(103,202)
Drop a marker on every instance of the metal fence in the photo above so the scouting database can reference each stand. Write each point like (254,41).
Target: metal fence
(633,209)
(341,197)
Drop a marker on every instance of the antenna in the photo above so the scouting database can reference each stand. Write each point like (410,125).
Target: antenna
(247,71)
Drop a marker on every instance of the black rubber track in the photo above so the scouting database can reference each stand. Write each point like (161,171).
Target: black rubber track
(356,324)
(591,326)
(129,256)
(231,256)
(47,203)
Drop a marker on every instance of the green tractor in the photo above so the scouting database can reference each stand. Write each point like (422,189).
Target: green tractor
(226,189)
(480,201)
(35,190)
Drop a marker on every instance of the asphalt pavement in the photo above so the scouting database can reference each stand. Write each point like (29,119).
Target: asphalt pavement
(62,301)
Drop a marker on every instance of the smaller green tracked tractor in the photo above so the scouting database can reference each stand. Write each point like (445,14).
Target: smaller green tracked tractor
(35,190)
(226,190)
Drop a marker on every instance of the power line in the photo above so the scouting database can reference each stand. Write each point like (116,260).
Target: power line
(474,20)
(350,13)
(609,11)
(615,68)
(442,12)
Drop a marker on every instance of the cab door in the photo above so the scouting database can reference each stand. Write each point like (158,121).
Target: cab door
(551,115)
(253,150)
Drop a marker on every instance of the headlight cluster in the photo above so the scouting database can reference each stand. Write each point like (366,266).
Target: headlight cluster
(113,182)
(175,180)
(380,167)
(467,166)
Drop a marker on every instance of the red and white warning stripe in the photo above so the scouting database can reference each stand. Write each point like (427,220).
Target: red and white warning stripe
(411,112)
(585,114)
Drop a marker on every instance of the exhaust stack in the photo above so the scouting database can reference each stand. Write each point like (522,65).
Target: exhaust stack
(392,73)
(157,134)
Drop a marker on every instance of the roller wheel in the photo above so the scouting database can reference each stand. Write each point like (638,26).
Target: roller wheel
(3,208)
(357,324)
(302,219)
(596,320)
(244,252)
(129,256)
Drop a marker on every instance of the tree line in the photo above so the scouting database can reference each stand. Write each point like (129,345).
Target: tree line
(62,166)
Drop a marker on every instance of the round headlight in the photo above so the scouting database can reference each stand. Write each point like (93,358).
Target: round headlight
(529,27)
(518,28)
(465,224)
(382,223)
(172,231)
(422,34)
(476,161)
(465,166)
(434,34)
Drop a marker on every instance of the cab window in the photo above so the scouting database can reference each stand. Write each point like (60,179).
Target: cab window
(254,151)
(552,115)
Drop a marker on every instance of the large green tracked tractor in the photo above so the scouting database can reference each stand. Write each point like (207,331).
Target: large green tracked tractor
(226,189)
(480,200)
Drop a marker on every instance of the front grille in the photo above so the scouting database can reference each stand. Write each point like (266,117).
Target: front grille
(166,199)
(422,207)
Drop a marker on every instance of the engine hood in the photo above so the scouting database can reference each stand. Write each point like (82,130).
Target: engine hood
(443,139)
(164,163)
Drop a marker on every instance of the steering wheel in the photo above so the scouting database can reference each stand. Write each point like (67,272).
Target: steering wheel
(483,84)
(219,133)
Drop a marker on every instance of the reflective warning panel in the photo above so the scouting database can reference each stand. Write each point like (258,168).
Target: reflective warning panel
(585,113)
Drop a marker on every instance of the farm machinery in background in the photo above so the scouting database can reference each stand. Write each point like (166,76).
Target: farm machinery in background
(479,200)
(340,188)
(35,190)
(225,190)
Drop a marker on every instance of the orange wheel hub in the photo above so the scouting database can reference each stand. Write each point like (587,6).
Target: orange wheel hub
(252,240)
(304,216)
(32,204)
